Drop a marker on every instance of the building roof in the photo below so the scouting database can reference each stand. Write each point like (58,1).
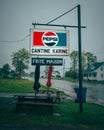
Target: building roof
(94,67)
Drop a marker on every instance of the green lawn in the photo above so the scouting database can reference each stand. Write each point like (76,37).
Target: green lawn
(92,117)
(68,111)
(16,85)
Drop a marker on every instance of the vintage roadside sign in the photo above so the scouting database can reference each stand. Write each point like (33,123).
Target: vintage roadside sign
(49,42)
(47,61)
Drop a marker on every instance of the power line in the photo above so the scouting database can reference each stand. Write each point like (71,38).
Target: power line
(15,41)
(21,40)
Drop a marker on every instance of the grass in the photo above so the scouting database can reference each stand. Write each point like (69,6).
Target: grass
(18,86)
(69,116)
(92,117)
(15,85)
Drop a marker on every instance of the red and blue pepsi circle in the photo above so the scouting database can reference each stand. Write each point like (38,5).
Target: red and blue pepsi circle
(50,39)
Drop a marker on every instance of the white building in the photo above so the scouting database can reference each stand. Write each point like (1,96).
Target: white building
(95,72)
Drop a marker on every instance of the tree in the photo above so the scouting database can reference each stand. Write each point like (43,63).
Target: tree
(74,63)
(5,70)
(13,73)
(87,59)
(20,61)
(70,73)
(90,59)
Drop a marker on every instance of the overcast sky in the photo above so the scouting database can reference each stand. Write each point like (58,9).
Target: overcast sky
(16,17)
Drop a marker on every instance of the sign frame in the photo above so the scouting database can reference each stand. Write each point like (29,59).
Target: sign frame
(53,50)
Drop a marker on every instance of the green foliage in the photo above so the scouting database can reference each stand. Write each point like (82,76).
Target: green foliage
(71,73)
(87,59)
(13,74)
(20,60)
(74,59)
(90,59)
(5,70)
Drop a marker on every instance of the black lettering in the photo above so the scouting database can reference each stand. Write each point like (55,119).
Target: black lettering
(60,51)
(40,50)
(50,38)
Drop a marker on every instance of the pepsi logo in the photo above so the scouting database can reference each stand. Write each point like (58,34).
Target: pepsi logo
(50,39)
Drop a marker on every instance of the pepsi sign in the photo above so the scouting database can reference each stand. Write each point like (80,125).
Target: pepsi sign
(50,39)
(49,42)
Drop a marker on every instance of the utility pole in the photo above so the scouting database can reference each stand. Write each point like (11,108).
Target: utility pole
(80,58)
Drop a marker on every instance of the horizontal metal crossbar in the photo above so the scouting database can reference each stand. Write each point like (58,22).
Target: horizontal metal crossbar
(57,25)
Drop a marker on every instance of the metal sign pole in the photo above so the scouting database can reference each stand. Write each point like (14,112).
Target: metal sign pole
(80,59)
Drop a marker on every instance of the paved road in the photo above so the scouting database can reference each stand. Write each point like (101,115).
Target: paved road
(95,92)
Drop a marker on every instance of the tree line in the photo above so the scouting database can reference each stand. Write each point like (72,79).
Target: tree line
(87,59)
(20,61)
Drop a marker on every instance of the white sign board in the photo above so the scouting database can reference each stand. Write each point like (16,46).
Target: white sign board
(49,42)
